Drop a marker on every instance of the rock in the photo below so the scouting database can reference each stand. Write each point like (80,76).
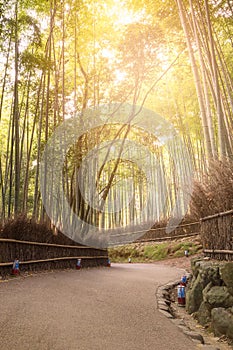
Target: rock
(209,347)
(226,273)
(219,297)
(194,295)
(159,295)
(195,263)
(168,286)
(163,307)
(168,302)
(162,302)
(222,322)
(178,322)
(206,290)
(210,273)
(203,315)
(165,294)
(165,313)
(162,292)
(207,274)
(163,288)
(184,328)
(209,296)
(195,336)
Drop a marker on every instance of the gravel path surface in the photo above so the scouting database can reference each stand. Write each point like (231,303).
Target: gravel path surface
(90,309)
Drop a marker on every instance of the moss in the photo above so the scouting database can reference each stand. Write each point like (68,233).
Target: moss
(156,252)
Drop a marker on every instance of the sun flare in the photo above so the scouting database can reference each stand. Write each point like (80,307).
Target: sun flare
(122,15)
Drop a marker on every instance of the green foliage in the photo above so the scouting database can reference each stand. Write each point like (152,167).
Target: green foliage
(153,252)
(78,54)
(156,252)
(179,249)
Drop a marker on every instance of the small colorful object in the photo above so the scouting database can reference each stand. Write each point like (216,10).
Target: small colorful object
(15,268)
(183,280)
(181,295)
(79,264)
(186,253)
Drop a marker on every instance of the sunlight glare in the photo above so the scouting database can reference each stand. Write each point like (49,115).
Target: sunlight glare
(122,15)
(120,76)
(108,53)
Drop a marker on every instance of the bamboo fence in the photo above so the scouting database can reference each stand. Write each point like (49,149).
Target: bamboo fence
(181,231)
(47,256)
(217,235)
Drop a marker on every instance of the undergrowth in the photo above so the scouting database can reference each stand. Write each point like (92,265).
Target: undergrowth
(149,252)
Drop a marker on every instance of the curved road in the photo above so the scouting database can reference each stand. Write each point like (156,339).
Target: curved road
(90,309)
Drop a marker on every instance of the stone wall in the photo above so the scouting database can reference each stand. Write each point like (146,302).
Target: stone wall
(209,295)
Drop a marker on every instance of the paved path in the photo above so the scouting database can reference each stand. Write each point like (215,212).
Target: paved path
(91,309)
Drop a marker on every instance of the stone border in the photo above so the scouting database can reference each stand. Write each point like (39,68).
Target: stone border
(163,295)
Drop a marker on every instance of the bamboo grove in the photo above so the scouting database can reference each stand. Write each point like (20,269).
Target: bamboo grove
(61,58)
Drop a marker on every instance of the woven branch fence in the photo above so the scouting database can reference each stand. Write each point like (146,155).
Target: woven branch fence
(217,235)
(46,256)
(181,231)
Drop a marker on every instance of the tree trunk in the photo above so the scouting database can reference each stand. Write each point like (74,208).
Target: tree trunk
(196,80)
(16,118)
(222,148)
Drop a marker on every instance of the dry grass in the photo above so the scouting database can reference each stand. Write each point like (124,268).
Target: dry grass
(215,193)
(25,229)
